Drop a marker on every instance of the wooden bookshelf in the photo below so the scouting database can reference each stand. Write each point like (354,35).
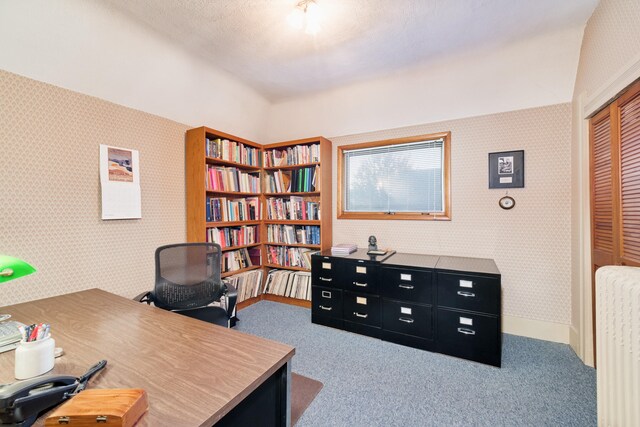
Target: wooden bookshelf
(198,161)
(224,155)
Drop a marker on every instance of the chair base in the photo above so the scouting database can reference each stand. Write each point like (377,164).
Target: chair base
(215,315)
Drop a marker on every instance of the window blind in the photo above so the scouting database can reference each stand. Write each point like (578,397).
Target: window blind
(395,178)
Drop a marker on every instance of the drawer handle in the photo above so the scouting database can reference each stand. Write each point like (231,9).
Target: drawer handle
(325,280)
(326,294)
(466,331)
(406,286)
(405,320)
(326,308)
(363,285)
(364,316)
(466,294)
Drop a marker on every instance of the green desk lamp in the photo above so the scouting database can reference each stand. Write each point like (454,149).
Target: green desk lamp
(12,268)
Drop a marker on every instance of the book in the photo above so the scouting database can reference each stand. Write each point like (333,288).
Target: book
(343,248)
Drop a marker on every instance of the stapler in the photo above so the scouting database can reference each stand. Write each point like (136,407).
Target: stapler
(22,401)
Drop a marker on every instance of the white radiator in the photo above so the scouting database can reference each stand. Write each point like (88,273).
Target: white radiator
(618,345)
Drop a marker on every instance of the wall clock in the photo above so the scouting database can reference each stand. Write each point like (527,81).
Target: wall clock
(507,202)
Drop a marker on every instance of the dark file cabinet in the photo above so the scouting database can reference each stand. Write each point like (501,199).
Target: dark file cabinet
(407,284)
(451,305)
(408,319)
(468,335)
(360,276)
(361,308)
(467,292)
(324,271)
(326,306)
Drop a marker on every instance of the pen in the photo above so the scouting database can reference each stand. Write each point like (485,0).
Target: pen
(34,333)
(41,331)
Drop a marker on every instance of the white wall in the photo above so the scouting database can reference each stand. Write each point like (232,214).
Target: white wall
(86,47)
(533,73)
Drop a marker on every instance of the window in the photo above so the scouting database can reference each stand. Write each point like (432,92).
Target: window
(405,178)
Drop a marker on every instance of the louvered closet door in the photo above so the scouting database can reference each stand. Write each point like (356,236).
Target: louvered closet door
(602,219)
(629,116)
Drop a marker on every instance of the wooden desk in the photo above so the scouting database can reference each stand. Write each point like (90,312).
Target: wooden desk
(194,373)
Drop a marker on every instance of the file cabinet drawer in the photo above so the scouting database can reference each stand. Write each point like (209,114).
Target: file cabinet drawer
(471,336)
(324,271)
(468,292)
(326,301)
(359,276)
(406,284)
(407,318)
(361,308)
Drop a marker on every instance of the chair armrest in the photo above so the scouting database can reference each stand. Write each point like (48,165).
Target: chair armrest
(232,296)
(144,297)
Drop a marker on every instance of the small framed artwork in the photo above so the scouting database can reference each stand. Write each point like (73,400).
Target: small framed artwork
(506,169)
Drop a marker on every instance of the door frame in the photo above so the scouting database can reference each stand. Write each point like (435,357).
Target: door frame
(582,337)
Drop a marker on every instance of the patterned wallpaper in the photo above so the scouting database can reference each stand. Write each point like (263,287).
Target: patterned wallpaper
(611,39)
(50,208)
(530,243)
(50,212)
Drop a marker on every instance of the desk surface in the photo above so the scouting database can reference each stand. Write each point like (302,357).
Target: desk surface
(193,372)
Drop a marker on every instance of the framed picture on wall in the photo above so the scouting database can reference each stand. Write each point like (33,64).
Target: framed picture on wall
(506,169)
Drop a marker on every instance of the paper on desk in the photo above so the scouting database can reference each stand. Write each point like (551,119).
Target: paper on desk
(120,183)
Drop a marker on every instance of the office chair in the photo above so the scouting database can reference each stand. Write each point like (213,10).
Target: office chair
(188,280)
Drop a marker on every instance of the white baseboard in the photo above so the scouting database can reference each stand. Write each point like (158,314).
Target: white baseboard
(574,340)
(548,331)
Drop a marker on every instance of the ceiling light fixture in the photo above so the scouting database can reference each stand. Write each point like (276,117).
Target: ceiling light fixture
(305,15)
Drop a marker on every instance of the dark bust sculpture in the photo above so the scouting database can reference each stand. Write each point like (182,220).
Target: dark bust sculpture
(373,244)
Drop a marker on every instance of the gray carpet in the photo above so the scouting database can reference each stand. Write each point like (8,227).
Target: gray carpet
(369,382)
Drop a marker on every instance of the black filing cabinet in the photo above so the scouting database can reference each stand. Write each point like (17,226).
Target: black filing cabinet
(469,309)
(326,291)
(451,305)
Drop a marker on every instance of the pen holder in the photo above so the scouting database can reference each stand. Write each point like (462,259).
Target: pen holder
(34,358)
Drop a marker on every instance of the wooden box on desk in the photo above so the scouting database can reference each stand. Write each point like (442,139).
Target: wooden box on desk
(102,407)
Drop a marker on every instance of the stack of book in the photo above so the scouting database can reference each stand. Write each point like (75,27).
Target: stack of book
(292,284)
(343,249)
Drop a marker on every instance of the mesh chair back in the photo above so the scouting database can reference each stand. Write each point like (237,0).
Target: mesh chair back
(187,275)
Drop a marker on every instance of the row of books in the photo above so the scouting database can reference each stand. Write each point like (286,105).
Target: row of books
(232,151)
(292,284)
(243,209)
(300,234)
(233,236)
(293,181)
(248,284)
(293,208)
(300,154)
(289,257)
(220,178)
(239,259)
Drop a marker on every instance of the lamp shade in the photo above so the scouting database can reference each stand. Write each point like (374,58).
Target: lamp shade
(13,268)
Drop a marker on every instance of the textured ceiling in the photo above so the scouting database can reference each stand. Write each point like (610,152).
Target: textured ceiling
(359,39)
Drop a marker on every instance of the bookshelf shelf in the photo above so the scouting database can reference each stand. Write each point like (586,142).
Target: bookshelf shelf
(288,167)
(220,162)
(309,194)
(295,245)
(286,267)
(287,300)
(231,223)
(242,270)
(294,222)
(231,248)
(249,301)
(207,157)
(232,193)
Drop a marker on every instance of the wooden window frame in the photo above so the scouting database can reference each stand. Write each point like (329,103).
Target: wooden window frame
(419,216)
